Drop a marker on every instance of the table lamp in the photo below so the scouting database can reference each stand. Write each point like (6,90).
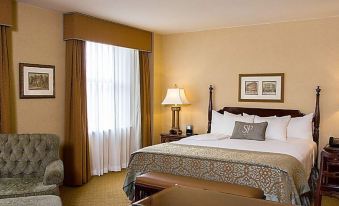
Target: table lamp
(175,97)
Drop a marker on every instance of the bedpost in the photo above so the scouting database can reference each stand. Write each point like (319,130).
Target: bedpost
(316,117)
(210,107)
(316,122)
(313,179)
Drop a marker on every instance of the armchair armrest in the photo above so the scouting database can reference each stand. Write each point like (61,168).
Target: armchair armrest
(54,173)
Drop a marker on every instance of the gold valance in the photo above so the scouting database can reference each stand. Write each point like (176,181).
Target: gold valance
(83,27)
(6,12)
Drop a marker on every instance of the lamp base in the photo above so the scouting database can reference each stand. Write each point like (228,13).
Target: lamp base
(175,131)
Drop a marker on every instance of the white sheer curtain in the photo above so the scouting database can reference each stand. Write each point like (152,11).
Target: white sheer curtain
(113,105)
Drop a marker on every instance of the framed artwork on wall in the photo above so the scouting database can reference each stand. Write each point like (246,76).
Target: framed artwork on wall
(36,81)
(261,87)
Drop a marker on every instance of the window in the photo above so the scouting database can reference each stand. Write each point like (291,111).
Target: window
(113,105)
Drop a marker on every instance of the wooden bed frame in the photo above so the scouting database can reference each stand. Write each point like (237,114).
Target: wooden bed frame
(270,112)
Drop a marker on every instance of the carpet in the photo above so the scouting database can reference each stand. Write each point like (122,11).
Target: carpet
(99,191)
(107,190)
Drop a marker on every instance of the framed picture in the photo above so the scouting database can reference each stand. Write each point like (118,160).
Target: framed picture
(36,81)
(261,87)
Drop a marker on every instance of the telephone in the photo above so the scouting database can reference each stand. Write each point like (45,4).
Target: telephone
(189,130)
(334,142)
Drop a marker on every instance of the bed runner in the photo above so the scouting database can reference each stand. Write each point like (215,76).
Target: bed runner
(280,176)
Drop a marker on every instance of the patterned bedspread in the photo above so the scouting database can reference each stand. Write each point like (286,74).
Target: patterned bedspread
(280,176)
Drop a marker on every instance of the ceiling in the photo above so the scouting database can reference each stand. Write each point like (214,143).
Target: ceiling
(177,16)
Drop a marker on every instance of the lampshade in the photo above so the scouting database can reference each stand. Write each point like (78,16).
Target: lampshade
(175,96)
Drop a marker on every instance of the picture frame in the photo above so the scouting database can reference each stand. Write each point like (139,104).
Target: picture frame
(267,87)
(36,81)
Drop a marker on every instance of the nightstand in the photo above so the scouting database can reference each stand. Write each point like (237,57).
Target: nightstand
(333,167)
(328,183)
(330,149)
(171,137)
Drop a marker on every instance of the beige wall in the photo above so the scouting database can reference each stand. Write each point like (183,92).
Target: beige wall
(38,40)
(307,52)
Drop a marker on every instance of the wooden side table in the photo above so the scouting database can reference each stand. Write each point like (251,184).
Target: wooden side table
(171,137)
(329,149)
(333,150)
(328,183)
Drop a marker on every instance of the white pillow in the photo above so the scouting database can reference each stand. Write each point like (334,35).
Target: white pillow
(245,114)
(248,115)
(224,124)
(301,127)
(231,114)
(276,128)
(218,123)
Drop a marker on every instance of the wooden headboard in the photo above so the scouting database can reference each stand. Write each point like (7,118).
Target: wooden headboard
(269,112)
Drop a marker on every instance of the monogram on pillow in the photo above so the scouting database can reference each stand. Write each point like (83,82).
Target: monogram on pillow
(247,129)
(250,131)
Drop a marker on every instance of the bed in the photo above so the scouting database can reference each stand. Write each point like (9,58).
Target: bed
(285,171)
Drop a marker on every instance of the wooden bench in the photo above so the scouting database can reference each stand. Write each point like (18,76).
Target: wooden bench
(152,182)
(184,196)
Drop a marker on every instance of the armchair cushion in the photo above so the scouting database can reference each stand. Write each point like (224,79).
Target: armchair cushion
(54,173)
(29,165)
(27,155)
(44,200)
(19,187)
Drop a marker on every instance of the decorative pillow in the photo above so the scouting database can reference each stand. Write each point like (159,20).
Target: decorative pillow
(301,127)
(232,118)
(224,123)
(276,128)
(250,131)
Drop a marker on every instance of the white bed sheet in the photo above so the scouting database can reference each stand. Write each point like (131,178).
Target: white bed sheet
(303,150)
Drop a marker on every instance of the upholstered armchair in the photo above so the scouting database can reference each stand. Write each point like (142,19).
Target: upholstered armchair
(29,165)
